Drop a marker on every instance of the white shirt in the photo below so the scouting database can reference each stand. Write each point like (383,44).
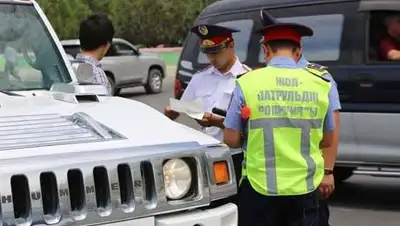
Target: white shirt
(215,90)
(10,54)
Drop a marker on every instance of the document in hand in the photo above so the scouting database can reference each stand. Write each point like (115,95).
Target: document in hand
(193,109)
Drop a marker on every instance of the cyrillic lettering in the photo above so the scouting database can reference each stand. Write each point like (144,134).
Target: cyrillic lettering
(313,112)
(300,110)
(315,97)
(285,81)
(305,97)
(290,96)
(280,81)
(297,97)
(283,111)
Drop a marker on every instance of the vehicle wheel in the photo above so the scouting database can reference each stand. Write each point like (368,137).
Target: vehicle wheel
(154,81)
(114,91)
(343,173)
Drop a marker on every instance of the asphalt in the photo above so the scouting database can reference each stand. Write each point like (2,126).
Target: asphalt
(361,201)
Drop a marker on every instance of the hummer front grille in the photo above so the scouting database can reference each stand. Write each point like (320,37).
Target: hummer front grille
(95,187)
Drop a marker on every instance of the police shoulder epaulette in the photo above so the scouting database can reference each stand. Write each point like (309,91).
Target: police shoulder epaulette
(319,75)
(316,67)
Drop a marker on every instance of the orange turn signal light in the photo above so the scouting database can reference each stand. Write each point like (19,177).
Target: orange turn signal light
(221,172)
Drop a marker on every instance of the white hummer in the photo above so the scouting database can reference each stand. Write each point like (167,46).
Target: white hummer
(71,156)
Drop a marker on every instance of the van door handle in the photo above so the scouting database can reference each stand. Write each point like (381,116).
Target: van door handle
(365,81)
(366,84)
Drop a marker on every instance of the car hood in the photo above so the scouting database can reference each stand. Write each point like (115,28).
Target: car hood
(138,124)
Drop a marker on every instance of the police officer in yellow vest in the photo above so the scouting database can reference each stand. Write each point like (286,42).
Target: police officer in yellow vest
(334,101)
(281,116)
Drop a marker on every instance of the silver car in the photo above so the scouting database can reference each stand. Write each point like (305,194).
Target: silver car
(126,66)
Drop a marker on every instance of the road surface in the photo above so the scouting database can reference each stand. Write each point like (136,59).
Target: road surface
(361,201)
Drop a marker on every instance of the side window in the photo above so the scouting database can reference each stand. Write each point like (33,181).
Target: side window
(241,39)
(324,45)
(112,51)
(384,27)
(124,50)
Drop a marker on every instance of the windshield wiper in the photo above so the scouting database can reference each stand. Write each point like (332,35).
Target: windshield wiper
(9,93)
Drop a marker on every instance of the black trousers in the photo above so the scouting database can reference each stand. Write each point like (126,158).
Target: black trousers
(323,213)
(323,208)
(237,163)
(259,210)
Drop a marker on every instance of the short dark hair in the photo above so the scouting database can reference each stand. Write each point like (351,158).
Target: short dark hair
(275,45)
(390,17)
(95,31)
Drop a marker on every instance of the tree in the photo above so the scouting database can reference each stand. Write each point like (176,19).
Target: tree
(101,6)
(65,15)
(148,22)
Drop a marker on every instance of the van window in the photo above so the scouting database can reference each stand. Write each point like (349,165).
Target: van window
(380,42)
(324,45)
(241,38)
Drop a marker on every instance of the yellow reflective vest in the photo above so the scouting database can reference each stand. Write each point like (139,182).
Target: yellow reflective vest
(285,128)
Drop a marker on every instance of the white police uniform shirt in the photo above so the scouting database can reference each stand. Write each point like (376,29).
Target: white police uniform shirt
(215,90)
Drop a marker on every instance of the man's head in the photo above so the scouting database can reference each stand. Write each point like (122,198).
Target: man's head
(217,43)
(95,34)
(282,39)
(392,23)
(281,48)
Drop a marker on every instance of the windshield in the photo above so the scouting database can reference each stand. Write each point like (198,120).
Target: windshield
(29,58)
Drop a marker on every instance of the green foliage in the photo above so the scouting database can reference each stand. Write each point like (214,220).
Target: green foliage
(149,22)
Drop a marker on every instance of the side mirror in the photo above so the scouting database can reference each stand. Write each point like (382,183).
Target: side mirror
(85,85)
(83,72)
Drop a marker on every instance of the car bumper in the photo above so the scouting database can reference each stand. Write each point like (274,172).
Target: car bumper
(226,215)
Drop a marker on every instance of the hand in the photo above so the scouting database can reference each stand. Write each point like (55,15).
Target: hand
(170,113)
(167,109)
(206,121)
(327,186)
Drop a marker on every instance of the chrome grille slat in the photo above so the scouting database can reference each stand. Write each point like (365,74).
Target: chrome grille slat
(137,188)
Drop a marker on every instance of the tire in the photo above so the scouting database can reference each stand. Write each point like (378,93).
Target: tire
(154,82)
(343,173)
(114,91)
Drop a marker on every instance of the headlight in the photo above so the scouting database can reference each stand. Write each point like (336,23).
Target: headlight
(177,178)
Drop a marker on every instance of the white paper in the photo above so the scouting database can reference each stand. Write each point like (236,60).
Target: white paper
(193,109)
